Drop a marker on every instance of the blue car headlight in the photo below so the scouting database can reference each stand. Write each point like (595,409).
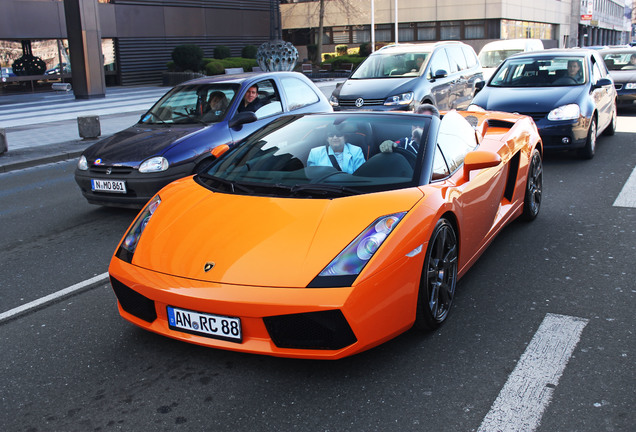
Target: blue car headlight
(154,164)
(343,270)
(129,244)
(565,112)
(401,99)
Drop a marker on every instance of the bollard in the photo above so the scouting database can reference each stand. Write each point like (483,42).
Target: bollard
(4,147)
(88,127)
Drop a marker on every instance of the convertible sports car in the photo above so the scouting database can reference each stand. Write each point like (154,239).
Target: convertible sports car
(275,250)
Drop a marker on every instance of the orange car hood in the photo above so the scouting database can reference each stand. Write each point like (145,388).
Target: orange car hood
(259,241)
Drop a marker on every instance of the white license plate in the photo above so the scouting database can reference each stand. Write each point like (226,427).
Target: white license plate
(214,326)
(115,186)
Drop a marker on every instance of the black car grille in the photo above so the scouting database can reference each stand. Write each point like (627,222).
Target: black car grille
(367,102)
(111,170)
(535,116)
(133,302)
(327,330)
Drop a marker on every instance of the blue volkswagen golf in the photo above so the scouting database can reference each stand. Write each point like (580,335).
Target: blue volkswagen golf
(175,137)
(569,94)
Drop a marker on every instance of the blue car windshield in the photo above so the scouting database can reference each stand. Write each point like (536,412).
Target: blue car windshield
(324,155)
(541,72)
(392,65)
(192,104)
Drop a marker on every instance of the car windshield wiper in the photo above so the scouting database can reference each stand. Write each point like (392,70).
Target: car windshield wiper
(323,189)
(161,121)
(232,185)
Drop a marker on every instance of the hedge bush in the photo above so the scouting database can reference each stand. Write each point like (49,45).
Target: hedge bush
(341,49)
(217,67)
(249,51)
(187,57)
(221,52)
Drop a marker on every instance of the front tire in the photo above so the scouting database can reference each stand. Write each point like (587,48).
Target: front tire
(589,150)
(534,188)
(439,278)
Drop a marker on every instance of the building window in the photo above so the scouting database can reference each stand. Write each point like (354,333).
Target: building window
(341,35)
(426,31)
(450,30)
(474,29)
(383,33)
(361,34)
(406,32)
(511,29)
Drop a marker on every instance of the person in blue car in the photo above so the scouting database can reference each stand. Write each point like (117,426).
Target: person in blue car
(337,153)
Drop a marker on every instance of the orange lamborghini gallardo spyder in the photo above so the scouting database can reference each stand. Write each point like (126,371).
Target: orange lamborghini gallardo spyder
(323,235)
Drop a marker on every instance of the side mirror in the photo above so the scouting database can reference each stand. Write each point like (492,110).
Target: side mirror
(479,85)
(440,73)
(242,118)
(603,82)
(479,159)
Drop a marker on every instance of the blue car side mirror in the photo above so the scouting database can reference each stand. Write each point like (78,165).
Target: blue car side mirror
(242,118)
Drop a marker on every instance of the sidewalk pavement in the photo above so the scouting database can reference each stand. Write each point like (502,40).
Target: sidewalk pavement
(42,127)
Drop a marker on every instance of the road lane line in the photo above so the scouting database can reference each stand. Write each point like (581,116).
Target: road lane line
(627,197)
(528,391)
(52,297)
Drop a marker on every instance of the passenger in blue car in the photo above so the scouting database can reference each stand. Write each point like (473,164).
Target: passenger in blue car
(337,153)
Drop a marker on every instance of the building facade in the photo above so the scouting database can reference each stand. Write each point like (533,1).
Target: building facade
(476,22)
(137,36)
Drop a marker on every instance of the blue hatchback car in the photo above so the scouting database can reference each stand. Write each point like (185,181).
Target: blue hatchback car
(568,92)
(175,137)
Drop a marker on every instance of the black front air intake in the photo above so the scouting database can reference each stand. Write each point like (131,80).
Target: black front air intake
(326,330)
(133,302)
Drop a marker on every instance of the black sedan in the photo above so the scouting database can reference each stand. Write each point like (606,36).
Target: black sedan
(621,63)
(569,94)
(175,137)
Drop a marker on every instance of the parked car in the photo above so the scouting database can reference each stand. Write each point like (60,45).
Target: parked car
(175,137)
(399,77)
(6,72)
(493,53)
(570,111)
(621,63)
(266,252)
(55,70)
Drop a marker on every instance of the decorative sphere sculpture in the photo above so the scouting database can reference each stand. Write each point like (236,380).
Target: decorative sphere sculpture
(277,56)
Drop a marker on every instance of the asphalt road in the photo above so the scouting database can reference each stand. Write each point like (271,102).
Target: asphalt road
(75,365)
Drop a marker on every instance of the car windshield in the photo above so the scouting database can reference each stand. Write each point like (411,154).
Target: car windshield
(492,59)
(392,65)
(192,104)
(324,156)
(620,60)
(541,72)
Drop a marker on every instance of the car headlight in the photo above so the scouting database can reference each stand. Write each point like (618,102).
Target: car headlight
(82,163)
(333,101)
(401,99)
(630,86)
(129,244)
(565,112)
(154,164)
(350,262)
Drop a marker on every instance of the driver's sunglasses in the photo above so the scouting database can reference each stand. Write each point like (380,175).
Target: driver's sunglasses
(331,135)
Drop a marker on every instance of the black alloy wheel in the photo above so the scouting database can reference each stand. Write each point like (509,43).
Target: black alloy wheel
(439,277)
(534,188)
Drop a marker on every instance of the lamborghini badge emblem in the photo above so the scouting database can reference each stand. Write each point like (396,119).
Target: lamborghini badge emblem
(208,266)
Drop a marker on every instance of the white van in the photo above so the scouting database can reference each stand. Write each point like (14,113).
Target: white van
(493,53)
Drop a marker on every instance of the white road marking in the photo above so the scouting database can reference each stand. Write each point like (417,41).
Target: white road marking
(528,391)
(52,297)
(627,197)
